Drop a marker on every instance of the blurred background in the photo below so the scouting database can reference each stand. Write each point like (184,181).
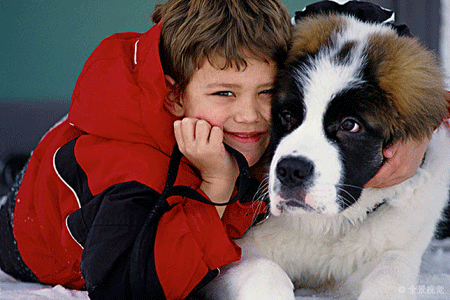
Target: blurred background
(44,44)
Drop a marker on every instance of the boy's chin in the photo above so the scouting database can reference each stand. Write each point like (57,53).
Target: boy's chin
(251,151)
(252,157)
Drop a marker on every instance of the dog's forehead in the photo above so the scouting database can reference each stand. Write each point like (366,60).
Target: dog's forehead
(325,79)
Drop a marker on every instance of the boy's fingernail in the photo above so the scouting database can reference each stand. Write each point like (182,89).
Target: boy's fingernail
(388,153)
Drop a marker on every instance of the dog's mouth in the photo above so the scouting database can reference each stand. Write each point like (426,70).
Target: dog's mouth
(304,200)
(294,204)
(293,201)
(290,198)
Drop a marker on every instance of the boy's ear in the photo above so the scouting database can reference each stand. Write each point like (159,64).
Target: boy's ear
(172,101)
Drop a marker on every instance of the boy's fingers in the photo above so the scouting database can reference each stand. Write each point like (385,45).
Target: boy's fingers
(202,132)
(188,130)
(383,177)
(389,152)
(216,135)
(376,181)
(178,134)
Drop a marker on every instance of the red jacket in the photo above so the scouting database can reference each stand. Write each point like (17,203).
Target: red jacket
(93,179)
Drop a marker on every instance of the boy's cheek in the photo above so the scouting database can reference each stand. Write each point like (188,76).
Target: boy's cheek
(266,113)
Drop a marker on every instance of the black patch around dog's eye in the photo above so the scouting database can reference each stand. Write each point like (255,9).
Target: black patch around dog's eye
(287,120)
(354,111)
(351,123)
(287,104)
(287,117)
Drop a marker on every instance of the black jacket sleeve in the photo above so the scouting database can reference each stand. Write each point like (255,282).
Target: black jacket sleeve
(107,227)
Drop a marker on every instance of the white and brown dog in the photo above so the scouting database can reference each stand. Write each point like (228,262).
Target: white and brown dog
(348,90)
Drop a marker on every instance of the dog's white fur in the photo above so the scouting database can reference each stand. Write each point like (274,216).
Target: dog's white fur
(358,253)
(354,254)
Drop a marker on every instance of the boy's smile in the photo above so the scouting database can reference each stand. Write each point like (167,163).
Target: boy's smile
(238,102)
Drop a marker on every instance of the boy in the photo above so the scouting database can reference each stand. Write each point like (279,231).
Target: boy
(81,215)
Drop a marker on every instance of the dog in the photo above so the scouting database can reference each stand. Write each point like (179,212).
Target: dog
(348,90)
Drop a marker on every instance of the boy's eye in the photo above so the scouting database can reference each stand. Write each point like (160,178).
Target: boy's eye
(269,91)
(224,93)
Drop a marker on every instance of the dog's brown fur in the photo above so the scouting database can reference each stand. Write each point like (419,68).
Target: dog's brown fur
(310,34)
(411,78)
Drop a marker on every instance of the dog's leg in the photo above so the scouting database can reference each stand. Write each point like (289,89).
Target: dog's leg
(255,278)
(389,277)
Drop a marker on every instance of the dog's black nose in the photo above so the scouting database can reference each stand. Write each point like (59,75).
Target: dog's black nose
(293,171)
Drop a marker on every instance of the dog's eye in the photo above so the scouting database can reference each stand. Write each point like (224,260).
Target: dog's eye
(350,125)
(286,119)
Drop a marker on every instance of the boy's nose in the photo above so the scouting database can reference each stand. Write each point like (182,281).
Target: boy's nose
(247,112)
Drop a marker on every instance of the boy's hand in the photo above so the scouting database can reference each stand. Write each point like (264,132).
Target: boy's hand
(202,145)
(403,160)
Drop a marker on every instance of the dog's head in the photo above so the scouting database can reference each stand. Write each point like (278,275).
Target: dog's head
(348,89)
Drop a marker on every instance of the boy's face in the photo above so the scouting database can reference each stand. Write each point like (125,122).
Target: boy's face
(239,102)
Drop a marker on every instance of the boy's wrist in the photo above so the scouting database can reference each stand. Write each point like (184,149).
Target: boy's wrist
(218,191)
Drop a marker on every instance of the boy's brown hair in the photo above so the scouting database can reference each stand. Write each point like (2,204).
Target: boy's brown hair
(195,30)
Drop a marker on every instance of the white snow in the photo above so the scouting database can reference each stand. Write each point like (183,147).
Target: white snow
(11,289)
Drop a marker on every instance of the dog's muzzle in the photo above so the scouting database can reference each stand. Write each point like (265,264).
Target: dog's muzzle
(294,175)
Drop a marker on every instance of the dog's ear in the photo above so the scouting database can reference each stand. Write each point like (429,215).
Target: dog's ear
(311,34)
(412,80)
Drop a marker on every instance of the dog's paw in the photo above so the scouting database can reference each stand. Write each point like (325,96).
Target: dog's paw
(259,278)
(384,278)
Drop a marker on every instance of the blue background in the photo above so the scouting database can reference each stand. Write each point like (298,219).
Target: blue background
(44,43)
